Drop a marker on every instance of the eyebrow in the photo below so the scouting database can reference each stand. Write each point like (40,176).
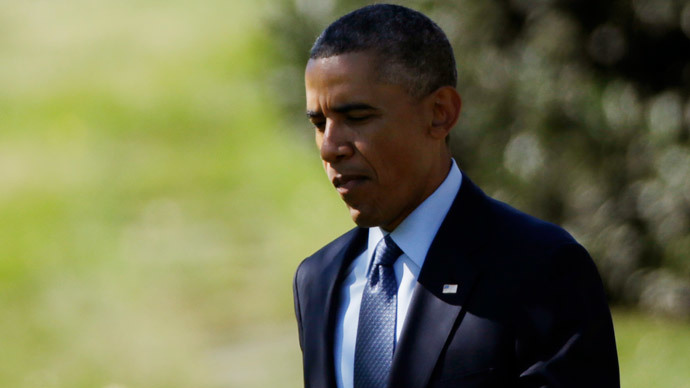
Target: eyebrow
(314,114)
(345,108)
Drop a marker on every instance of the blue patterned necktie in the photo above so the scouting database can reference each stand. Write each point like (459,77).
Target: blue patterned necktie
(377,315)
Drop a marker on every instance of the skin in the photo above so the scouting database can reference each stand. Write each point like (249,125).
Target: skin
(382,149)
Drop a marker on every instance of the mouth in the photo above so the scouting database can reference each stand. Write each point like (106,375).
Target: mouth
(345,184)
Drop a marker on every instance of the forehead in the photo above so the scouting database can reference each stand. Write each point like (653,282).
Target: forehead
(339,69)
(344,78)
(347,76)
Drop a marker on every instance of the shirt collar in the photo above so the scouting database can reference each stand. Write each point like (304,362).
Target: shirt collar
(415,234)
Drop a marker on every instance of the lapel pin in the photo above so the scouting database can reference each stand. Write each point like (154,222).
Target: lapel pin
(450,288)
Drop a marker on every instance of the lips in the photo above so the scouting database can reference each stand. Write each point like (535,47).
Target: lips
(346,183)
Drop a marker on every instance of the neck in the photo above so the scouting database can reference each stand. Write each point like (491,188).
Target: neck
(437,174)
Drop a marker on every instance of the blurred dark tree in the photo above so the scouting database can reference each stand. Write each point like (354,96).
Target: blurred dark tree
(577,111)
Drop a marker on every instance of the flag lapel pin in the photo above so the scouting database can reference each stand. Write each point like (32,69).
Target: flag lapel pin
(450,288)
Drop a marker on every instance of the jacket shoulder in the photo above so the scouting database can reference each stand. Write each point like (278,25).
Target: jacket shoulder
(513,226)
(536,255)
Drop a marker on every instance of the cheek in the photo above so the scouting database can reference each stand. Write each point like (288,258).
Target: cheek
(388,160)
(401,164)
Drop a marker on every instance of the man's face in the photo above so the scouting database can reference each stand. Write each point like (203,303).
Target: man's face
(373,138)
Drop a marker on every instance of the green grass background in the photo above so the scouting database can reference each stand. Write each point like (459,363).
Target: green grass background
(154,203)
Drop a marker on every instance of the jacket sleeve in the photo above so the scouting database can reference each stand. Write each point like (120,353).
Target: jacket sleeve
(566,338)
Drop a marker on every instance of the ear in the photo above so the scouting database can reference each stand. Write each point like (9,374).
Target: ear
(446,110)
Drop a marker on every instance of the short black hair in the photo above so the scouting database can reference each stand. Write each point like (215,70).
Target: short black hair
(411,49)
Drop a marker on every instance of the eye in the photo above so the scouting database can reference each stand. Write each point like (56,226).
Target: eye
(358,119)
(319,125)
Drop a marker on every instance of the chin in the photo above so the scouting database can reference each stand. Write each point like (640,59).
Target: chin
(364,219)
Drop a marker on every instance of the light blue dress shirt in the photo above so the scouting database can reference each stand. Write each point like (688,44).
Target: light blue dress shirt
(414,236)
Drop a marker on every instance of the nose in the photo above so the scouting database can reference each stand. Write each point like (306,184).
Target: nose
(335,143)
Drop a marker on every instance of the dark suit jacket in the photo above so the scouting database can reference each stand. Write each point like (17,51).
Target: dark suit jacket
(530,309)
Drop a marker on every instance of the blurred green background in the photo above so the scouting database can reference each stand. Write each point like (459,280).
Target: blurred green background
(159,185)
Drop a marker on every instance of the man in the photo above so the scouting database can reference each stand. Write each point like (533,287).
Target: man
(438,285)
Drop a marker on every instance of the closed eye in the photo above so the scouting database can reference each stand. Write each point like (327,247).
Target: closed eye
(356,112)
(319,125)
(317,119)
(359,119)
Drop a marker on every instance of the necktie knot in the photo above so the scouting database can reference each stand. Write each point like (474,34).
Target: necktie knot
(386,252)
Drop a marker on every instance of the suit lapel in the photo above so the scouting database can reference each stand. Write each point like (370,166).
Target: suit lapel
(323,322)
(432,314)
